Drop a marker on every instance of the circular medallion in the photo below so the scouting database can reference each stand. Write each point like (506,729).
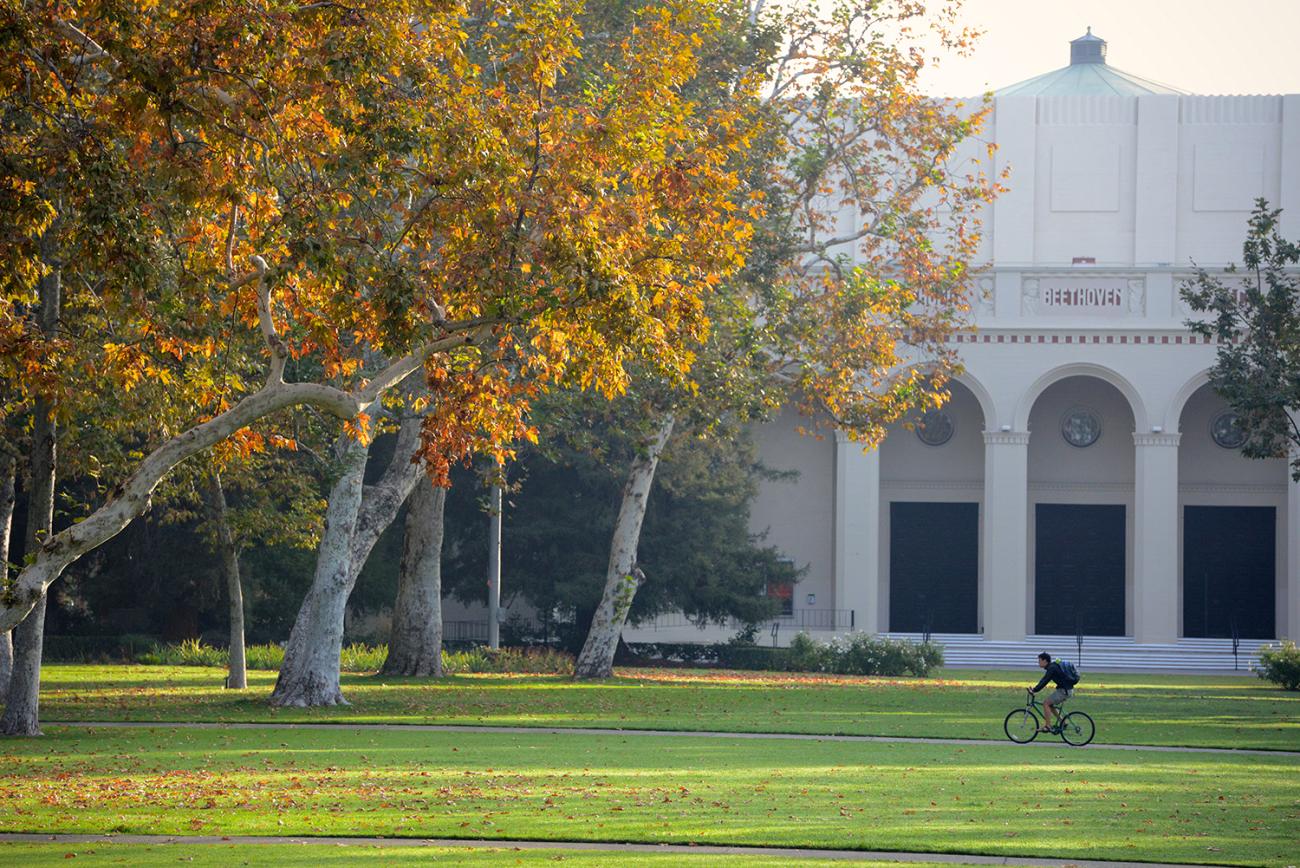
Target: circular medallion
(1226,430)
(1080,427)
(935,428)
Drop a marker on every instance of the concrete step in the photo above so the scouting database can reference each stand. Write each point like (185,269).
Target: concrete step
(1113,653)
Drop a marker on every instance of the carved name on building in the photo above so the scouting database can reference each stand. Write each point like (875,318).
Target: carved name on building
(1083,295)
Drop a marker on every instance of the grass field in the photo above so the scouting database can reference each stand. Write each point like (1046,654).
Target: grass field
(661,789)
(1003,799)
(331,856)
(1161,709)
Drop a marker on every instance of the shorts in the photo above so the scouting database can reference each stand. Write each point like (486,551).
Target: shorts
(1059,695)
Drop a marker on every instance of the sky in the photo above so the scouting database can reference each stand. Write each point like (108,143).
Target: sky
(1199,46)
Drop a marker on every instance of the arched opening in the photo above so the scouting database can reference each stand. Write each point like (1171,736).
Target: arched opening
(1231,549)
(1081,473)
(932,484)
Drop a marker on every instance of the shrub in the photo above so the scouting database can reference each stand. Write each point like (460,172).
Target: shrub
(190,652)
(358,657)
(1280,664)
(263,656)
(538,661)
(855,654)
(97,649)
(806,654)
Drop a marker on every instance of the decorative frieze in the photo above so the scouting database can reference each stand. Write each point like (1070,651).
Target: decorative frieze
(1156,439)
(1006,438)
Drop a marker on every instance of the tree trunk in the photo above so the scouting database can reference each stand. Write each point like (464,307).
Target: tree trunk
(415,646)
(309,675)
(622,576)
(7,468)
(22,699)
(354,521)
(228,550)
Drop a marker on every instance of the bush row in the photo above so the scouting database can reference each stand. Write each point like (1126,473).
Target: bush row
(854,654)
(1280,664)
(366,658)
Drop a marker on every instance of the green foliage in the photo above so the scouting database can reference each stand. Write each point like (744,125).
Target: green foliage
(696,549)
(359,657)
(1280,664)
(855,654)
(1255,317)
(537,661)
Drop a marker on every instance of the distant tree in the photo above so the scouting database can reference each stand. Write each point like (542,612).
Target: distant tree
(1254,315)
(696,550)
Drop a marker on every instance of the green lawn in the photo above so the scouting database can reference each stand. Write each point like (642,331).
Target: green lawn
(329,855)
(1160,709)
(1004,799)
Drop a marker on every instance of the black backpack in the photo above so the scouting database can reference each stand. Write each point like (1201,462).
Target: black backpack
(1070,671)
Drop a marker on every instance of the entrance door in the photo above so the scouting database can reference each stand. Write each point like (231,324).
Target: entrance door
(933,567)
(1078,570)
(1229,571)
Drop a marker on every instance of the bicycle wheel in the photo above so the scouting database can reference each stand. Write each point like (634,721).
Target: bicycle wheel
(1077,729)
(1021,726)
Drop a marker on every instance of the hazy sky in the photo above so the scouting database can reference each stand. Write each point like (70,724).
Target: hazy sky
(1200,46)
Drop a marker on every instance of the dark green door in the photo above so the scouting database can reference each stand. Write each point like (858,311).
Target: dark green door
(933,567)
(1078,570)
(1229,571)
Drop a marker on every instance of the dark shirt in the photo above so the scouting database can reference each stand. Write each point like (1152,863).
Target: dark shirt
(1056,675)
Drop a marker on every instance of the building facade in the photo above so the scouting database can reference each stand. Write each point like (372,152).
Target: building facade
(1083,479)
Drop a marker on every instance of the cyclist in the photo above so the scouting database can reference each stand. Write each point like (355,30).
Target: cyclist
(1064,688)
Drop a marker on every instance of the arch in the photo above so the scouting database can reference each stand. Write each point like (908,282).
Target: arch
(976,388)
(1174,415)
(1082,369)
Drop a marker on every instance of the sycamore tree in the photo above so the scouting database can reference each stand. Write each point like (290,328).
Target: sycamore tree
(1254,314)
(354,193)
(860,266)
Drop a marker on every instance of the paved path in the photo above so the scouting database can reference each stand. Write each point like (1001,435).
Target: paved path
(610,847)
(1048,742)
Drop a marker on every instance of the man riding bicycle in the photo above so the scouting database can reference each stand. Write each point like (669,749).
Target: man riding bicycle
(1064,688)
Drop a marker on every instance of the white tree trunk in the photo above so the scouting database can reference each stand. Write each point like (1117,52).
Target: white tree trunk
(415,645)
(22,699)
(622,576)
(7,468)
(228,551)
(354,521)
(309,675)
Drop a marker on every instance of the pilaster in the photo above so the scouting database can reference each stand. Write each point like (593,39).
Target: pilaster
(1291,628)
(1155,535)
(1005,592)
(857,532)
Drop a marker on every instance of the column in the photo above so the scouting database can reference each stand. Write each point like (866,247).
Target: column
(1005,593)
(1155,538)
(857,532)
(1291,628)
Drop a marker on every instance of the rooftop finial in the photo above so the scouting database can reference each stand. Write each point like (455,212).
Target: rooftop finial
(1087,49)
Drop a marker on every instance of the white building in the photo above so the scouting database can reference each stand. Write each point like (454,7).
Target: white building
(1084,479)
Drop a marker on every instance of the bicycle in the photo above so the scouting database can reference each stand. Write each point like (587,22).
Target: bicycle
(1021,726)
